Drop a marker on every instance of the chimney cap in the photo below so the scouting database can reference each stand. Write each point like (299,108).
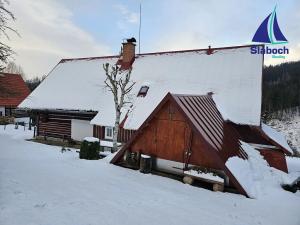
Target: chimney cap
(131,40)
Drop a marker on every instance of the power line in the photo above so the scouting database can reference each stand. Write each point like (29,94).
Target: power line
(140,26)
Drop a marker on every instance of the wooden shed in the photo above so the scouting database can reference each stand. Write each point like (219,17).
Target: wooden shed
(188,130)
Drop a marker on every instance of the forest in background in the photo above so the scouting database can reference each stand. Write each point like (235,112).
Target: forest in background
(281,90)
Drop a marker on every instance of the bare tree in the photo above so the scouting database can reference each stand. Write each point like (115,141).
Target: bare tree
(5,16)
(11,67)
(119,83)
(33,83)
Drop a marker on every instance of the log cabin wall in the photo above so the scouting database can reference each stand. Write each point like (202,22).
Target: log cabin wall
(58,125)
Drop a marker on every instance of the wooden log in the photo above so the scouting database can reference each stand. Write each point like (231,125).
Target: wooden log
(218,187)
(145,164)
(132,159)
(188,180)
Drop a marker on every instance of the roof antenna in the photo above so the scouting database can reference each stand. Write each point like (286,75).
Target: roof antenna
(140,26)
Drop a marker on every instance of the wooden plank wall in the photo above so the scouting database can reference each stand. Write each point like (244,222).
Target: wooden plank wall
(123,136)
(51,125)
(275,159)
(164,137)
(98,132)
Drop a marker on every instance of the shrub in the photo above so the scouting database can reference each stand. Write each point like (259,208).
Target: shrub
(89,150)
(4,120)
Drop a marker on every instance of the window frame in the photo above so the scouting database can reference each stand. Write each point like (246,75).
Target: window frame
(144,93)
(106,136)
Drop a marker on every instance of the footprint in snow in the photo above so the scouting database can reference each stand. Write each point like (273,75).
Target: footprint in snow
(40,205)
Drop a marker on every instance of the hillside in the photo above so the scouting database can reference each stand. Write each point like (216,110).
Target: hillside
(281,100)
(290,127)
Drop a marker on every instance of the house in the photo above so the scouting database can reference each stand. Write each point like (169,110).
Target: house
(72,102)
(185,131)
(13,91)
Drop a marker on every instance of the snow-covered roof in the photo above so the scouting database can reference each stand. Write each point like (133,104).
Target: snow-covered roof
(233,74)
(276,136)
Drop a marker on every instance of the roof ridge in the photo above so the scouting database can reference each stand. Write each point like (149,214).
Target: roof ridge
(162,52)
(190,95)
(5,73)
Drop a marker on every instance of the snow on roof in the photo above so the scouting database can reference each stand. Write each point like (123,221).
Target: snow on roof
(255,175)
(233,75)
(260,146)
(73,85)
(276,136)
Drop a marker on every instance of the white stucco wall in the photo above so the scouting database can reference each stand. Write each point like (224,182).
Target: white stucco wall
(81,129)
(2,109)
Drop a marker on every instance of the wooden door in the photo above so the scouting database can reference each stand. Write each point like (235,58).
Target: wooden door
(170,139)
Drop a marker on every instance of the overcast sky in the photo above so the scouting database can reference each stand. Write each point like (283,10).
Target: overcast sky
(55,29)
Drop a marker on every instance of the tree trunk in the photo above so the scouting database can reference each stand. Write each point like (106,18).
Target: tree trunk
(29,128)
(116,131)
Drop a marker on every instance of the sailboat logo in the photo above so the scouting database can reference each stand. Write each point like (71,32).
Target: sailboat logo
(269,31)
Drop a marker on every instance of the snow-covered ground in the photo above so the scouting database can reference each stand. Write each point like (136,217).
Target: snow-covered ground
(290,127)
(40,185)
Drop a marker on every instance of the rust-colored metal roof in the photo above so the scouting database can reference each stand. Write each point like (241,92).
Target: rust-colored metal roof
(13,89)
(202,111)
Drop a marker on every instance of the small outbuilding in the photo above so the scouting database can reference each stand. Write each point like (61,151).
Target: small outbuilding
(188,131)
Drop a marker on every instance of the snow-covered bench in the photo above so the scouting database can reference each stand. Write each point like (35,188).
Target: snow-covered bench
(191,175)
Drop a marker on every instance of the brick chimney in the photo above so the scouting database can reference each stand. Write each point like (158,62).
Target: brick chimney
(127,54)
(209,51)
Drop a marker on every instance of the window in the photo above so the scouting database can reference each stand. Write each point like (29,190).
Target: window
(108,133)
(107,149)
(143,91)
